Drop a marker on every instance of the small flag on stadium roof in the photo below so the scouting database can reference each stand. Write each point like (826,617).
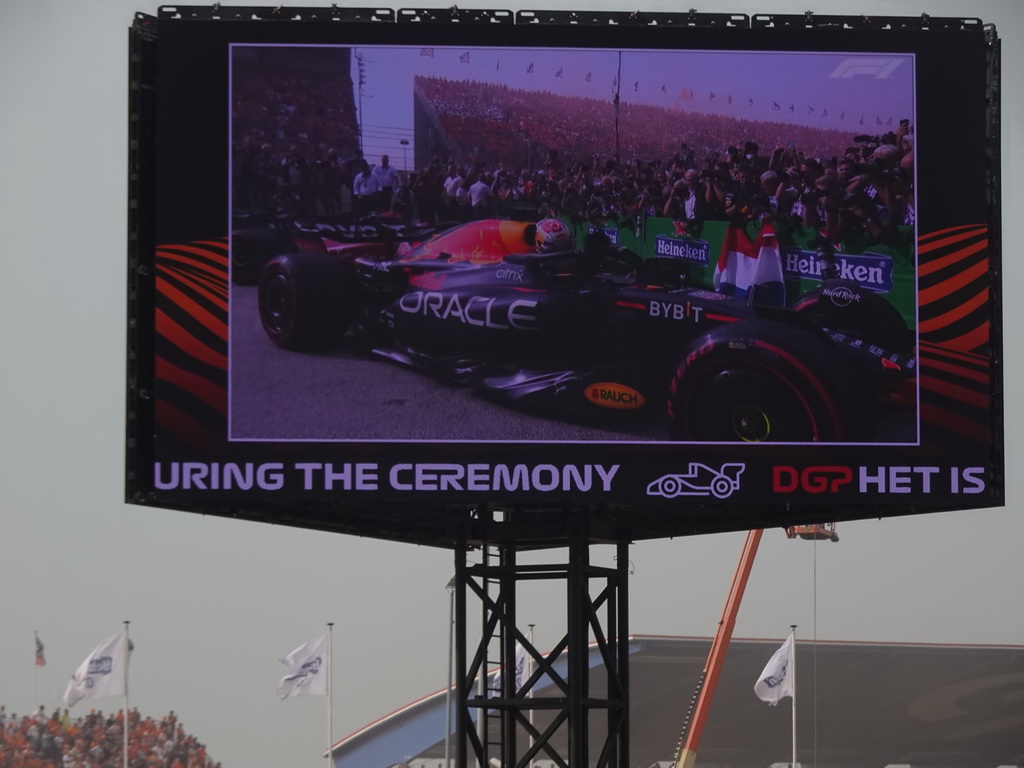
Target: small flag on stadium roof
(40,658)
(426,52)
(464,58)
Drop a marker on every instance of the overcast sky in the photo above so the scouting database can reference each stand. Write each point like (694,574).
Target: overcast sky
(214,603)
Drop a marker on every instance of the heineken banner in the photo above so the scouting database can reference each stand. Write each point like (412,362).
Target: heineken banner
(882,268)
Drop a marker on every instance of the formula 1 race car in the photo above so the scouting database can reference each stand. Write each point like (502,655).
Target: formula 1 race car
(598,332)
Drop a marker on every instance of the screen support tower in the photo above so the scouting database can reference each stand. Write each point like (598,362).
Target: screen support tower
(515,704)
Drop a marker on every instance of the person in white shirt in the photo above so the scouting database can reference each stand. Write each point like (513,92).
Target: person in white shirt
(387,177)
(365,187)
(481,196)
(461,205)
(452,183)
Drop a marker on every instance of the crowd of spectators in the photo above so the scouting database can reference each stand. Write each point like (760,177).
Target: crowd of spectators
(682,165)
(529,154)
(291,129)
(495,120)
(55,740)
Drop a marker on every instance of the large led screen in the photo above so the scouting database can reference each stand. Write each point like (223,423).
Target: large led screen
(748,275)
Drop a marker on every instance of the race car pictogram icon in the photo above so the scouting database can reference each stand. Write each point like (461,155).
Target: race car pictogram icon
(700,480)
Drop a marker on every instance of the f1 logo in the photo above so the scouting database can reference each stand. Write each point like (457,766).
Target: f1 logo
(810,479)
(877,67)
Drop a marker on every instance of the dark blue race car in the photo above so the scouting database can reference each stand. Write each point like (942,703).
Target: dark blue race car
(597,332)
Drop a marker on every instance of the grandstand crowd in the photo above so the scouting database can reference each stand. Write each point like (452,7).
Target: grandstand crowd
(509,152)
(55,740)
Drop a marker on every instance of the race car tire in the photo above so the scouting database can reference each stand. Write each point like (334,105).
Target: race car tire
(307,301)
(251,249)
(765,381)
(845,307)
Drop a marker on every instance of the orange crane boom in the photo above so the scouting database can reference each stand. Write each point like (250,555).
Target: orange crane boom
(687,755)
(693,726)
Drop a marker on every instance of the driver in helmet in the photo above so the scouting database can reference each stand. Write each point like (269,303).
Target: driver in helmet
(552,235)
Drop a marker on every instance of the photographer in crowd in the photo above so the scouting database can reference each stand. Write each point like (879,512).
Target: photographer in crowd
(511,154)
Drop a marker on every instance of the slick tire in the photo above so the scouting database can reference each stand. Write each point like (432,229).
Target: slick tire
(307,301)
(843,306)
(251,250)
(763,381)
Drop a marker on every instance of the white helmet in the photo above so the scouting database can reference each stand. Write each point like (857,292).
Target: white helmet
(552,235)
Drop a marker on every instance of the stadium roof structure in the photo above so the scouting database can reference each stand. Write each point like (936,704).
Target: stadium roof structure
(858,704)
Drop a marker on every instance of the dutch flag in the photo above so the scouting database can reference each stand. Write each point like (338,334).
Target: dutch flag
(751,270)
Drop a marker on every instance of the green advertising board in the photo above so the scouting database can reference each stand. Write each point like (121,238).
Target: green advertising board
(885,269)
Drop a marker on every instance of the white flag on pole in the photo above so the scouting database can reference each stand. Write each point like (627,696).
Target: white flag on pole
(521,661)
(307,670)
(520,677)
(776,680)
(102,674)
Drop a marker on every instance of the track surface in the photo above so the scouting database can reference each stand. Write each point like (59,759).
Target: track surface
(339,395)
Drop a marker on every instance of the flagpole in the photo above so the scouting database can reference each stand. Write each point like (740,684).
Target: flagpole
(529,673)
(35,677)
(450,586)
(793,697)
(330,692)
(126,723)
(615,100)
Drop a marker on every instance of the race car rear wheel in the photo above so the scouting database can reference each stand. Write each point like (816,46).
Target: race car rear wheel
(251,249)
(762,381)
(307,301)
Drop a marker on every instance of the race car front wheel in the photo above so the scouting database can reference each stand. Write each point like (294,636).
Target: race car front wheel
(762,381)
(307,301)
